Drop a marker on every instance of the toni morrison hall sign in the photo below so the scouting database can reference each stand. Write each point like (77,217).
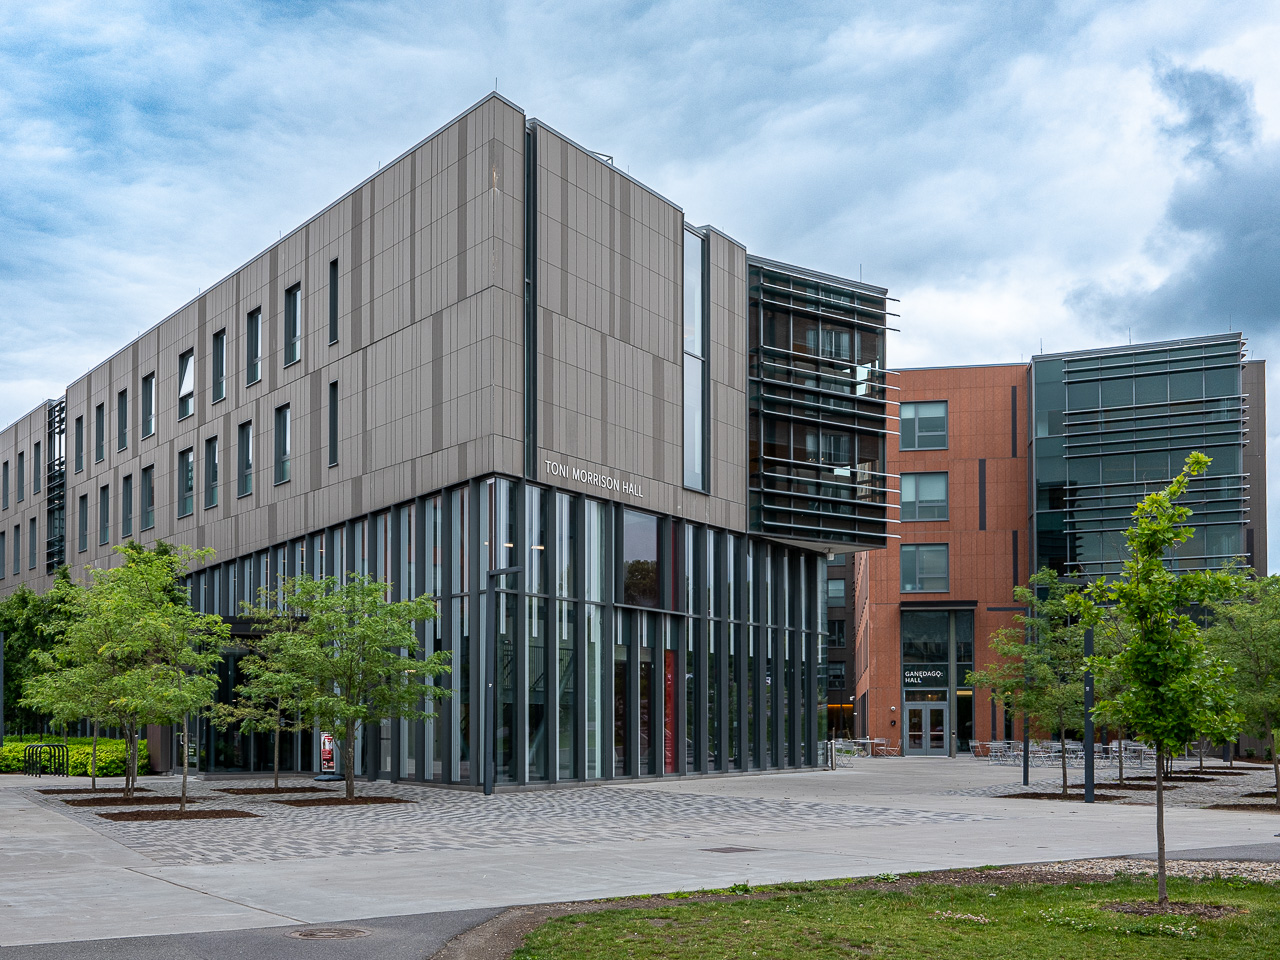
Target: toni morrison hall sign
(594,477)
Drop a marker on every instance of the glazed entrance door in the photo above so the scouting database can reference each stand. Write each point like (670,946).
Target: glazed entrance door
(927,730)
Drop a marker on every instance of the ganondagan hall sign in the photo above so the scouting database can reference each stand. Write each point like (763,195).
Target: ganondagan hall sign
(593,476)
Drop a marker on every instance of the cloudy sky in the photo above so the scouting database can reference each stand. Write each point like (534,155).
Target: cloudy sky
(1023,176)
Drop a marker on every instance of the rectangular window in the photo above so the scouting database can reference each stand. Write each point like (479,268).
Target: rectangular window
(99,433)
(148,497)
(17,547)
(122,419)
(924,496)
(244,464)
(22,476)
(835,633)
(79,441)
(2,555)
(186,481)
(924,426)
(835,675)
(695,361)
(333,424)
(4,483)
(37,467)
(835,592)
(148,404)
(82,523)
(211,472)
(126,507)
(253,347)
(925,568)
(333,301)
(186,384)
(104,515)
(219,365)
(32,542)
(293,324)
(283,444)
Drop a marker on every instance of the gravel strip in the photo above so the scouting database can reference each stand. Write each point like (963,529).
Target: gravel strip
(1194,869)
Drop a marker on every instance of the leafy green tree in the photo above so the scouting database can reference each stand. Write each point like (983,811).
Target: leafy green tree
(358,651)
(132,651)
(1042,662)
(24,618)
(1245,632)
(1171,687)
(276,697)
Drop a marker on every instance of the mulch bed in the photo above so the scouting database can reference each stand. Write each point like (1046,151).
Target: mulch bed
(1076,797)
(1262,793)
(1121,786)
(1145,908)
(1250,807)
(340,801)
(1175,778)
(122,802)
(136,815)
(101,791)
(261,791)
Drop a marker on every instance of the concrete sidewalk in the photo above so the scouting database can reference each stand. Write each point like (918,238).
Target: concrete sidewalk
(64,878)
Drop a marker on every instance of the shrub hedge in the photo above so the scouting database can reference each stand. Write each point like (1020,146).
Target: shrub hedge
(79,750)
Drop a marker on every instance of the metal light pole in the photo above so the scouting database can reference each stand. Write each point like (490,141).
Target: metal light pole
(1088,719)
(491,670)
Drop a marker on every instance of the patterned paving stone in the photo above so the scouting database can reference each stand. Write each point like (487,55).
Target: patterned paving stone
(1224,789)
(456,820)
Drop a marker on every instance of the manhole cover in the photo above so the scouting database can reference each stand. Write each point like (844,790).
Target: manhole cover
(328,933)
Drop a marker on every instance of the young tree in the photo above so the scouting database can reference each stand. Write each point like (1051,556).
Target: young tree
(1171,687)
(276,697)
(1042,662)
(350,641)
(24,619)
(1245,632)
(132,651)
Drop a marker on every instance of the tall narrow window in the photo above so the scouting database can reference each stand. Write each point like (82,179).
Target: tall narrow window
(126,507)
(148,506)
(186,383)
(333,301)
(695,361)
(186,481)
(22,476)
(293,324)
(244,460)
(79,432)
(82,523)
(17,546)
(99,433)
(284,444)
(4,483)
(122,419)
(148,405)
(253,347)
(37,467)
(333,423)
(219,365)
(2,556)
(32,544)
(104,515)
(211,472)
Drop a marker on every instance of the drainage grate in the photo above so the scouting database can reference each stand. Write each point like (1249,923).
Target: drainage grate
(328,933)
(729,849)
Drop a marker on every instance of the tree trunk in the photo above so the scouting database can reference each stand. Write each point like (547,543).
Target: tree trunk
(182,804)
(93,759)
(1162,889)
(1200,746)
(349,759)
(128,762)
(1120,759)
(276,759)
(1062,743)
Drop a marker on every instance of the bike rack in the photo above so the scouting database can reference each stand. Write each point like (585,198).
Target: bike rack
(51,758)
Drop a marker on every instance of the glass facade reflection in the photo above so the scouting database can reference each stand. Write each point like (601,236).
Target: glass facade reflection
(628,645)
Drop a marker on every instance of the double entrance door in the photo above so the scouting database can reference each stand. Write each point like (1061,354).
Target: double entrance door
(928,730)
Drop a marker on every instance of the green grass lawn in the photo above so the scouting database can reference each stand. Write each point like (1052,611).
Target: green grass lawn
(982,922)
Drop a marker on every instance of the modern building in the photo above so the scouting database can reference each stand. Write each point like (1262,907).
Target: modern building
(502,352)
(1005,469)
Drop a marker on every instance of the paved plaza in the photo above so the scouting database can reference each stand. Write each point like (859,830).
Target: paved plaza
(66,874)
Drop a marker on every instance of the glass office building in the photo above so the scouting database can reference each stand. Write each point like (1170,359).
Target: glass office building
(1112,425)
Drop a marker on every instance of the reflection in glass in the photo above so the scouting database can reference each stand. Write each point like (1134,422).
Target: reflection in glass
(640,559)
